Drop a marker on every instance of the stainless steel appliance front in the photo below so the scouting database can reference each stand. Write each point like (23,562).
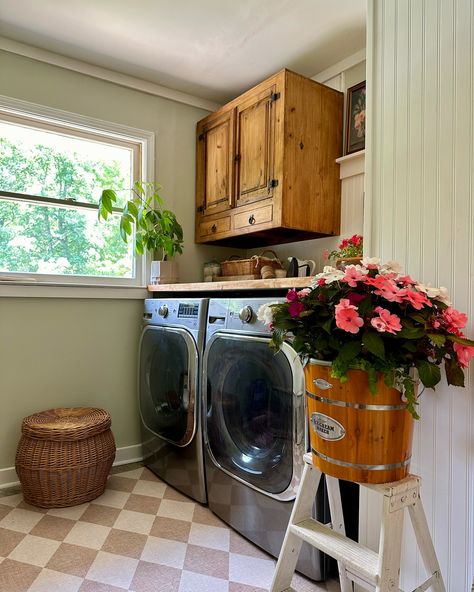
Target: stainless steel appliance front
(254,428)
(170,357)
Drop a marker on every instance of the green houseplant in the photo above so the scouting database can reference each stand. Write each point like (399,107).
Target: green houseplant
(155,228)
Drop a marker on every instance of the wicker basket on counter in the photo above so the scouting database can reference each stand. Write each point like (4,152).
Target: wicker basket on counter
(252,266)
(64,456)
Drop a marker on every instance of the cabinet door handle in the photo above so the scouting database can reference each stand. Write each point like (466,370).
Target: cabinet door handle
(213,228)
(252,219)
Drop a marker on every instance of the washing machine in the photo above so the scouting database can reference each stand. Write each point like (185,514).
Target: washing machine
(255,429)
(170,357)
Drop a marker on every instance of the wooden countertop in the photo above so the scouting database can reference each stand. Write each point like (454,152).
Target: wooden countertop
(274,284)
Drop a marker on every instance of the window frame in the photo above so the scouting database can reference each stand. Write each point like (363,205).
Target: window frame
(60,121)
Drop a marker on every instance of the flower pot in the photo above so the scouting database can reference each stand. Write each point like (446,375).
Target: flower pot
(355,435)
(345,261)
(164,272)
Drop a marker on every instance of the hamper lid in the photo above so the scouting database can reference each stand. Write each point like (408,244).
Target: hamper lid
(66,423)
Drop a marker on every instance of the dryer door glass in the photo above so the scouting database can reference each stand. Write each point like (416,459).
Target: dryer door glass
(168,363)
(250,411)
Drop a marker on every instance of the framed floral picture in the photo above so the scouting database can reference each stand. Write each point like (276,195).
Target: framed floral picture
(355,123)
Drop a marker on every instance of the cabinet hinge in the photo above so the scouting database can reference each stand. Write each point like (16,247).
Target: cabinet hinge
(201,137)
(275,96)
(237,158)
(272,183)
(200,209)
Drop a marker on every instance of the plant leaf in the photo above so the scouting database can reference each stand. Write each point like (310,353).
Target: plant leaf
(349,350)
(454,373)
(430,374)
(374,344)
(437,338)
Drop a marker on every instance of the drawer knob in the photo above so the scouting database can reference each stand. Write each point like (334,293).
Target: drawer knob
(213,228)
(252,219)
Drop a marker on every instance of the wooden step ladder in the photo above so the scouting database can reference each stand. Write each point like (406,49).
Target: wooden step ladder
(356,563)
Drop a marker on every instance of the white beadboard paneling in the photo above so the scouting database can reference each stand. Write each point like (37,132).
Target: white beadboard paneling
(419,210)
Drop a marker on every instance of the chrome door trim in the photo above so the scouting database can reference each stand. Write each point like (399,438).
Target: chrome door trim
(193,365)
(299,410)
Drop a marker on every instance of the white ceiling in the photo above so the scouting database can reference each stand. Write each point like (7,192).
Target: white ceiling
(213,49)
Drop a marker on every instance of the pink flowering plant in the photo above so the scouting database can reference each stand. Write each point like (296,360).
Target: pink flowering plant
(347,248)
(370,317)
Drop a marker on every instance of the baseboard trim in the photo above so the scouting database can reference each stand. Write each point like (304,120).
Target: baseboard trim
(123,456)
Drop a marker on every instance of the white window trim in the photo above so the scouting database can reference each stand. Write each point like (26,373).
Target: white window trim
(81,286)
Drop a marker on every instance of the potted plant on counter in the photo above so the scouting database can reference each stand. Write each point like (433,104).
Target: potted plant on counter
(155,228)
(362,331)
(349,251)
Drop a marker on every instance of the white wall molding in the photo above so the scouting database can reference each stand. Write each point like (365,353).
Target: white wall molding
(351,164)
(340,67)
(123,456)
(419,211)
(112,76)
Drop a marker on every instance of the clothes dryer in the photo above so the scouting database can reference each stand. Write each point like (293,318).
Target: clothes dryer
(170,356)
(255,429)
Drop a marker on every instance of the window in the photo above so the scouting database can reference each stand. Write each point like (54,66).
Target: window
(53,167)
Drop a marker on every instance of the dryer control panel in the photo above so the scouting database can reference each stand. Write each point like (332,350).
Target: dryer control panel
(237,315)
(169,312)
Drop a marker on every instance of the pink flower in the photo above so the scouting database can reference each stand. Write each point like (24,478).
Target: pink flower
(454,319)
(353,275)
(304,292)
(347,317)
(416,299)
(291,295)
(386,288)
(321,282)
(325,254)
(295,308)
(386,322)
(406,280)
(356,239)
(436,324)
(464,354)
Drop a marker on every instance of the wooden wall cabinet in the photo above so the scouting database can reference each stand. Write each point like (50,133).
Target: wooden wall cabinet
(266,170)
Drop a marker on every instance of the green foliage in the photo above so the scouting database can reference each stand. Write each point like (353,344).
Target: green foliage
(156,228)
(371,318)
(37,238)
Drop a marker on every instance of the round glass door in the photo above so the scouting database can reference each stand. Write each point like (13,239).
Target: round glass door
(168,383)
(249,411)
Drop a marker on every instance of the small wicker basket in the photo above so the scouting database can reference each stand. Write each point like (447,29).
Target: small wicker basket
(64,456)
(252,266)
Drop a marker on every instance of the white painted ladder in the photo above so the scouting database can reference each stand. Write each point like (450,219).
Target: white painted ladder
(356,563)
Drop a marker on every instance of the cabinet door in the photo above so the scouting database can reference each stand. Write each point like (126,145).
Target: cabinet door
(214,181)
(255,147)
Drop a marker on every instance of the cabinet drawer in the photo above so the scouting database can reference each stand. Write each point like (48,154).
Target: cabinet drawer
(253,217)
(213,227)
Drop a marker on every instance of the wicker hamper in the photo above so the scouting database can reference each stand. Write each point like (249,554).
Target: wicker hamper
(64,456)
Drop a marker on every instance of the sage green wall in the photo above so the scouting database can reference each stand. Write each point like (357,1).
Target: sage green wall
(66,352)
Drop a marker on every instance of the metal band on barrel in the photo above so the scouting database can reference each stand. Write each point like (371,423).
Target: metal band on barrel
(343,463)
(356,405)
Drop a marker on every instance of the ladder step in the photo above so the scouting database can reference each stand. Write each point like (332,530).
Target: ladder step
(360,560)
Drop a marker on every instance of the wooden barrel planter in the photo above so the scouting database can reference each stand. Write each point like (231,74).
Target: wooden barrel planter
(355,435)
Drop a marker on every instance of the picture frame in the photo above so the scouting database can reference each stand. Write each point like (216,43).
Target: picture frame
(355,118)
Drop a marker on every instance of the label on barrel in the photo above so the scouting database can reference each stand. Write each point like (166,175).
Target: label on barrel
(326,427)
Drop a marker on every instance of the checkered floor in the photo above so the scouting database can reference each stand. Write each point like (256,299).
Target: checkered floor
(140,535)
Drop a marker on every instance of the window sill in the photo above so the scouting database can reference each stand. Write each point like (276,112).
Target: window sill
(19,289)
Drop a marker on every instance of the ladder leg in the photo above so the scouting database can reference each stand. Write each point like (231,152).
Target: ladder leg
(390,548)
(291,547)
(337,519)
(425,544)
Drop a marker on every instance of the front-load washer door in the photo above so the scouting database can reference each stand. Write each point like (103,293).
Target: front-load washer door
(168,382)
(250,411)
